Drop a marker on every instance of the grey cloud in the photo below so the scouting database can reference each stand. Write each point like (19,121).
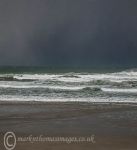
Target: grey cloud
(68,32)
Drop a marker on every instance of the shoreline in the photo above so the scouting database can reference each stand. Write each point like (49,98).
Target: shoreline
(112,104)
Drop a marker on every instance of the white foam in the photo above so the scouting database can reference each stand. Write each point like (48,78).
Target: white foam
(35,76)
(113,77)
(81,77)
(104,77)
(114,90)
(45,99)
(42,86)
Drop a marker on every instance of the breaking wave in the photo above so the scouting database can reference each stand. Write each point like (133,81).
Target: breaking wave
(70,85)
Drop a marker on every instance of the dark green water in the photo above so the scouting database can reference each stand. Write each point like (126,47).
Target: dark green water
(36,69)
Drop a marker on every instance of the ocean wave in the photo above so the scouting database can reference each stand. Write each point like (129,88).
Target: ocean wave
(51,91)
(70,76)
(12,78)
(39,86)
(91,89)
(69,86)
(78,91)
(53,88)
(73,77)
(114,90)
(20,98)
(118,79)
(36,76)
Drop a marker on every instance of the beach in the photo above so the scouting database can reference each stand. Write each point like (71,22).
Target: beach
(113,125)
(68,110)
(68,75)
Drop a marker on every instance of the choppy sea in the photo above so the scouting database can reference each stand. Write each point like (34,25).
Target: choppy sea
(118,86)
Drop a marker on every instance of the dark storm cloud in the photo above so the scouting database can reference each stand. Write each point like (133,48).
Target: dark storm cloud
(68,32)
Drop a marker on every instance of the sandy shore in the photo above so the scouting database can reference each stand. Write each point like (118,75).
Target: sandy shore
(114,126)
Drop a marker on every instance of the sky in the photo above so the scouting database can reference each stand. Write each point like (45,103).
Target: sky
(68,32)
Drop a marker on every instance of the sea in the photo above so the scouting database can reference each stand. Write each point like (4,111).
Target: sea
(62,85)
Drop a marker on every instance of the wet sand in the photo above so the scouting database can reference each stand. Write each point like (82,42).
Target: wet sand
(114,125)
